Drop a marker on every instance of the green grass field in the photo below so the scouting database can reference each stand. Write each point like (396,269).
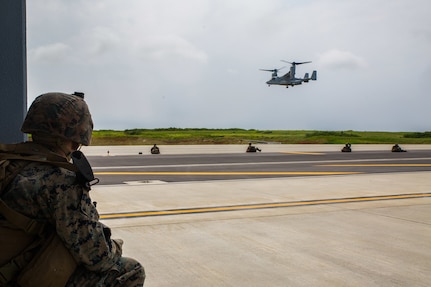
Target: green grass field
(241,136)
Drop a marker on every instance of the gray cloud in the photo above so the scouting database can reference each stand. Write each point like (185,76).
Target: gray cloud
(195,63)
(341,60)
(50,53)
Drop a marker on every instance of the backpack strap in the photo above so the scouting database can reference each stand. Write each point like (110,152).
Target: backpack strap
(9,170)
(11,163)
(34,152)
(26,224)
(11,269)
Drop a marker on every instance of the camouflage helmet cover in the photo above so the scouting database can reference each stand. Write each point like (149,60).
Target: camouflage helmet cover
(60,115)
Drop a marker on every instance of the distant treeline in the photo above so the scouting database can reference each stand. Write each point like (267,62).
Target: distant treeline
(418,135)
(331,133)
(141,131)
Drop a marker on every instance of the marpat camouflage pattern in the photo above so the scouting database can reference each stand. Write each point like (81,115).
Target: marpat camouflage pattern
(51,194)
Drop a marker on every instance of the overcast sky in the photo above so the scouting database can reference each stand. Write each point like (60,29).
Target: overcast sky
(195,63)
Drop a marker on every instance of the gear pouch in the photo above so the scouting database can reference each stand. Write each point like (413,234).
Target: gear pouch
(51,266)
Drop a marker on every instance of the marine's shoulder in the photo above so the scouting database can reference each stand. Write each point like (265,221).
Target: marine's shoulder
(47,168)
(47,174)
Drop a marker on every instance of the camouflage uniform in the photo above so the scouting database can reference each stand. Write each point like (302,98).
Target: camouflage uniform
(53,195)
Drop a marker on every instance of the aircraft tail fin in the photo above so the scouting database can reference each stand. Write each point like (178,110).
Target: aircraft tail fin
(314,75)
(306,78)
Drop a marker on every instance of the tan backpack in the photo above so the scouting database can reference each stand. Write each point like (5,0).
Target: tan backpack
(30,255)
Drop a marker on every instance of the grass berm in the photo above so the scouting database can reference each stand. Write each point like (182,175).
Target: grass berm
(184,136)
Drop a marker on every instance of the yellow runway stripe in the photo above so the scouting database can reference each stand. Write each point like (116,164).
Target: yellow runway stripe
(224,172)
(381,164)
(260,206)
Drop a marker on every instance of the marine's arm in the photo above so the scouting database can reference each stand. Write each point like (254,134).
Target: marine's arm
(77,223)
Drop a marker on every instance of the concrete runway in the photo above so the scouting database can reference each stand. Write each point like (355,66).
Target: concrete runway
(335,230)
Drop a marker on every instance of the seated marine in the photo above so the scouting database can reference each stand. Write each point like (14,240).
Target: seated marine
(347,148)
(397,148)
(155,149)
(252,148)
(50,232)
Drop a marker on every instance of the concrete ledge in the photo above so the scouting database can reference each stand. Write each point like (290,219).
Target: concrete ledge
(380,243)
(213,149)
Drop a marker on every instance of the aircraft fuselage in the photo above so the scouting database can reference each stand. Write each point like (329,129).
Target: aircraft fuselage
(285,82)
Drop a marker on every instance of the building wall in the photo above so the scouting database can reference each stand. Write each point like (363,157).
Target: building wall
(13,70)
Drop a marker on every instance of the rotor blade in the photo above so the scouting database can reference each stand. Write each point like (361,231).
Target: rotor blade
(295,63)
(273,70)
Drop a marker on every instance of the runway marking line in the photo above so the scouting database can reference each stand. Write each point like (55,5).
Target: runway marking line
(301,152)
(225,172)
(259,206)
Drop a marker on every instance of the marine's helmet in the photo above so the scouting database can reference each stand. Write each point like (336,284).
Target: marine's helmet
(60,115)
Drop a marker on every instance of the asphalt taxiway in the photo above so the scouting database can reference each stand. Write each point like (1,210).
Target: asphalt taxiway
(362,229)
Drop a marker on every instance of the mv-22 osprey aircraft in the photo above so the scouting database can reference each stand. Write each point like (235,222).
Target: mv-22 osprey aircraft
(289,79)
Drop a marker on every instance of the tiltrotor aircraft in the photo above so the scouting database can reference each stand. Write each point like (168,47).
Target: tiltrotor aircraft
(289,79)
